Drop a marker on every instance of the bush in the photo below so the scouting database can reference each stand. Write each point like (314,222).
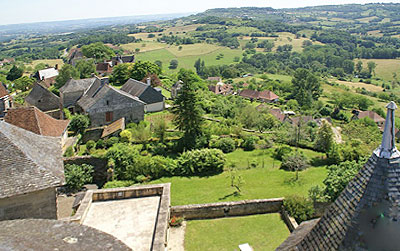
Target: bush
(201,162)
(249,143)
(126,136)
(79,123)
(227,145)
(76,176)
(118,183)
(294,162)
(281,152)
(299,208)
(100,144)
(111,141)
(69,152)
(316,194)
(90,145)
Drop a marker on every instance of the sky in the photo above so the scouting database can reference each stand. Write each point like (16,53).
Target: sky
(28,11)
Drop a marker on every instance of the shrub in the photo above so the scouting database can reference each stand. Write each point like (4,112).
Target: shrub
(299,207)
(76,176)
(249,143)
(118,183)
(69,152)
(79,123)
(281,152)
(227,145)
(100,144)
(111,141)
(201,162)
(176,221)
(294,162)
(90,145)
(316,194)
(126,136)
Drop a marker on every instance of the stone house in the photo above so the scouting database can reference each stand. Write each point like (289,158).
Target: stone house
(105,104)
(48,76)
(73,90)
(5,100)
(370,114)
(145,92)
(31,167)
(36,121)
(221,88)
(176,88)
(122,60)
(42,98)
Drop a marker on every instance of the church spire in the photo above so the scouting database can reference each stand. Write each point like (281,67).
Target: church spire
(388,149)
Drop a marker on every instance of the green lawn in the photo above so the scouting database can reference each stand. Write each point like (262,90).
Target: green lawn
(259,183)
(262,232)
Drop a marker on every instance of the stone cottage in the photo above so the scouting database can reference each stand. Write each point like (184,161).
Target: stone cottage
(48,75)
(366,214)
(31,167)
(73,90)
(36,121)
(105,104)
(42,98)
(176,88)
(145,92)
(5,100)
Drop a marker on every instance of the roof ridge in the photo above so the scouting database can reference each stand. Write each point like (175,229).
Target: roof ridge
(37,120)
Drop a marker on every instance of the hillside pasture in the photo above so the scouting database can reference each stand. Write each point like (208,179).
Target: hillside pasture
(384,67)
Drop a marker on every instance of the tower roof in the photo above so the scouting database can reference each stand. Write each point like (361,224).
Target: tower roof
(366,216)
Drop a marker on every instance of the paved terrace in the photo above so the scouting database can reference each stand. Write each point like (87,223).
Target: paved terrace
(138,216)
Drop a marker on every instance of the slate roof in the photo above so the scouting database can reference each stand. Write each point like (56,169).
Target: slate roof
(36,121)
(3,90)
(143,91)
(46,235)
(28,162)
(75,85)
(366,215)
(42,98)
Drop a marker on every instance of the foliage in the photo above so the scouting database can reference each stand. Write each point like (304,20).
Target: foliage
(339,176)
(90,145)
(65,73)
(141,69)
(76,176)
(299,207)
(173,64)
(69,152)
(98,51)
(176,221)
(281,152)
(188,113)
(79,123)
(111,141)
(316,194)
(201,162)
(227,145)
(126,136)
(249,143)
(306,87)
(14,73)
(324,139)
(100,144)
(85,68)
(23,83)
(118,183)
(294,162)
(120,74)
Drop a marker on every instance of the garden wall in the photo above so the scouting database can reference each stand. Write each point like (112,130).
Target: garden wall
(99,166)
(225,209)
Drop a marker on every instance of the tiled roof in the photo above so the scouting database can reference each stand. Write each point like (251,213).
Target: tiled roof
(28,162)
(114,127)
(372,115)
(366,215)
(36,121)
(46,235)
(3,90)
(73,85)
(268,95)
(249,93)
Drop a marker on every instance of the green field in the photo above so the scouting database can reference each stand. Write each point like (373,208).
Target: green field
(384,67)
(189,54)
(262,232)
(259,183)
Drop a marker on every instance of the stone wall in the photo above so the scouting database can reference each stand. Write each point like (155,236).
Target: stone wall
(224,209)
(99,165)
(92,134)
(40,205)
(131,114)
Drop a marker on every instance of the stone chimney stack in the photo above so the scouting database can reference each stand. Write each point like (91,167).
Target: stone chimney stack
(387,149)
(148,81)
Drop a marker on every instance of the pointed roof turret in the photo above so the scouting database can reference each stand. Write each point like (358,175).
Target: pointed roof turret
(366,215)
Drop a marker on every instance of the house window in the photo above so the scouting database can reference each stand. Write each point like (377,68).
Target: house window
(109,116)
(108,102)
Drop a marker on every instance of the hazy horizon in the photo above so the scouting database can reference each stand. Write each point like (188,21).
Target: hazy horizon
(12,13)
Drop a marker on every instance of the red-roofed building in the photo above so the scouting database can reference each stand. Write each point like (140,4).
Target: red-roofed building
(264,96)
(370,114)
(36,121)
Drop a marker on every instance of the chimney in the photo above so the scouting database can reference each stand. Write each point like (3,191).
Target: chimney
(148,81)
(56,67)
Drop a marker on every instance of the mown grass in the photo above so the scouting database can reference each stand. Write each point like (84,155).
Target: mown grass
(384,67)
(144,46)
(262,232)
(50,62)
(259,183)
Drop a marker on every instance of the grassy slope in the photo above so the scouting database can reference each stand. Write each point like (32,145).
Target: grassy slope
(262,232)
(259,183)
(384,68)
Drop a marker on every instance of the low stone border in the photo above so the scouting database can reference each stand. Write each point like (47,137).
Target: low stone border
(290,222)
(226,209)
(163,190)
